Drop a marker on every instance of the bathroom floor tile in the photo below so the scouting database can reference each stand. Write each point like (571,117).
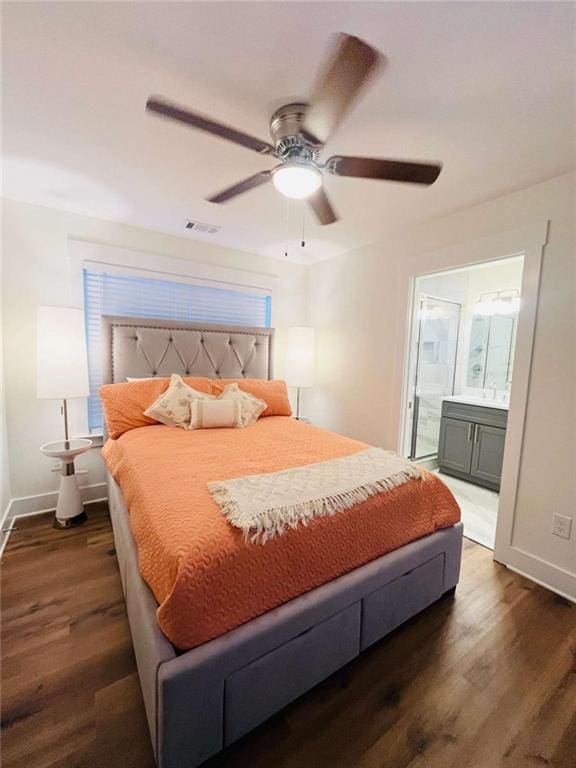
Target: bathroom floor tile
(479,508)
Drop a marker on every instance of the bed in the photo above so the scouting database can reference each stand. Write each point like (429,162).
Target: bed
(196,699)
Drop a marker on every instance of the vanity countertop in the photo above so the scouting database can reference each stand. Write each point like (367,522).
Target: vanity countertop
(480,401)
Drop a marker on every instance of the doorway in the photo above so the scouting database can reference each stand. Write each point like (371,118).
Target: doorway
(461,359)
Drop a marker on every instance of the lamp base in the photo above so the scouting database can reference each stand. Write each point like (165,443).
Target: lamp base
(70,522)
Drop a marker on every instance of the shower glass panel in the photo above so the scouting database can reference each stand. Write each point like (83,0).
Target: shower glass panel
(437,347)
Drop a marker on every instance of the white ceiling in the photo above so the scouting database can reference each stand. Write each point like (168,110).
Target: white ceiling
(487,88)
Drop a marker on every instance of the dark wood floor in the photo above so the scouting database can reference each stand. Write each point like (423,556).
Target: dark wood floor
(482,681)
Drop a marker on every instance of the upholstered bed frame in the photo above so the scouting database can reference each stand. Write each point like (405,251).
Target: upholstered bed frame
(202,700)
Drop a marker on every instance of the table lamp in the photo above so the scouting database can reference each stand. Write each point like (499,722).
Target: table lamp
(300,360)
(62,374)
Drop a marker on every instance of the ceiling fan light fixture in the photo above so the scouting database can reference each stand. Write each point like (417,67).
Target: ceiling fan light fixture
(297,180)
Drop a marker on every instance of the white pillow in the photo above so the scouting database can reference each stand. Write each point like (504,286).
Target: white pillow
(172,407)
(146,378)
(252,406)
(215,414)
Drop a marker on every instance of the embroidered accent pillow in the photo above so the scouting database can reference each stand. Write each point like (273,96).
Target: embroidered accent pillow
(213,414)
(173,406)
(252,407)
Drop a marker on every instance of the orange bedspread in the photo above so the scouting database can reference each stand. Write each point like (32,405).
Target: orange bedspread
(206,578)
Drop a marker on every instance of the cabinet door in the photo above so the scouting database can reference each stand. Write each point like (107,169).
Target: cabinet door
(455,445)
(488,453)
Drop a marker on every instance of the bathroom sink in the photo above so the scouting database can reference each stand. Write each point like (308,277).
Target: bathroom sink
(486,402)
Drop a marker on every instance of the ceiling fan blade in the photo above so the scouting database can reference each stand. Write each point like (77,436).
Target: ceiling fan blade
(175,112)
(322,207)
(241,187)
(388,170)
(348,70)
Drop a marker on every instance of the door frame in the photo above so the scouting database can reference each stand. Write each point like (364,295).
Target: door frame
(528,241)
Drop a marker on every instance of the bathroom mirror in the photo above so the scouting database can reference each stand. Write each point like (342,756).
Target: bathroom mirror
(492,344)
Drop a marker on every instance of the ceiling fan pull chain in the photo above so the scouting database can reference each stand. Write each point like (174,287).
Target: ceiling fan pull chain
(303,242)
(287,226)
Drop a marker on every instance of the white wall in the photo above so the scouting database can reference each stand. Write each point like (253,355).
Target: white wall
(359,313)
(5,494)
(37,271)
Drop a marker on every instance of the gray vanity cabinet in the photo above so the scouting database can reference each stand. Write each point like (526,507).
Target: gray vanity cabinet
(488,454)
(455,445)
(471,444)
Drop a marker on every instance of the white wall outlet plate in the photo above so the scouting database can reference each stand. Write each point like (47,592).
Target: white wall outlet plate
(562,526)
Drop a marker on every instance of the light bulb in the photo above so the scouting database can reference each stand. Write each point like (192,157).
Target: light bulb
(297,180)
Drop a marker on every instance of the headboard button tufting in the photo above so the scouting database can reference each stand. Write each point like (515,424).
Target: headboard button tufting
(131,344)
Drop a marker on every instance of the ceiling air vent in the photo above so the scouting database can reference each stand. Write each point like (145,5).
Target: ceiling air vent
(197,226)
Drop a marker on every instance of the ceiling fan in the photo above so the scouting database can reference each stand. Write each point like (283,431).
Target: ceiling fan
(299,132)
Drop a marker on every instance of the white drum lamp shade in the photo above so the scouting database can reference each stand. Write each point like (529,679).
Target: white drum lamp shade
(62,368)
(300,357)
(299,367)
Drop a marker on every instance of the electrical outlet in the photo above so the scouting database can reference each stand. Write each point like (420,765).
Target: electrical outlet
(562,526)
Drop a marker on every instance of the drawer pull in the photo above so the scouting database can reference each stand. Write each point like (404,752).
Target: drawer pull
(476,432)
(470,431)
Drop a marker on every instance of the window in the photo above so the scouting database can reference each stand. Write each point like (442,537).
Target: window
(122,293)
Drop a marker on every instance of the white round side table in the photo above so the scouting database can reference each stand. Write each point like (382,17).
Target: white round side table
(69,510)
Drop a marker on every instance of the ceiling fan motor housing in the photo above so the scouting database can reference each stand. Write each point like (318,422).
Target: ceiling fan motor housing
(285,129)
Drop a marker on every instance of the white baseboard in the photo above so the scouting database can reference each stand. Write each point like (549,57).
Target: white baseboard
(541,572)
(541,583)
(5,525)
(43,502)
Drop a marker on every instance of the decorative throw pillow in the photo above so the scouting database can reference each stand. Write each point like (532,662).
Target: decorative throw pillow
(173,406)
(124,403)
(274,393)
(212,414)
(252,407)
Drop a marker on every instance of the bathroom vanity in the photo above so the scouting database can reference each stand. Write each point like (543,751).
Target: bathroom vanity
(472,437)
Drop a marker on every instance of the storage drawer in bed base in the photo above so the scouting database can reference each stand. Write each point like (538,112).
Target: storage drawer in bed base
(280,676)
(390,606)
(274,680)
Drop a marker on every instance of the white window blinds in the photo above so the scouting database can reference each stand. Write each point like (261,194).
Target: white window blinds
(110,293)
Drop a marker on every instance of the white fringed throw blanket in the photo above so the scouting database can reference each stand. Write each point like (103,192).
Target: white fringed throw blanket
(264,506)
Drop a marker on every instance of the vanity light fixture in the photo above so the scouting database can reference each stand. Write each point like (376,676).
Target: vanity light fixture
(498,303)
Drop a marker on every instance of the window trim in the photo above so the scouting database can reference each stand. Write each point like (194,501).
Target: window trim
(121,260)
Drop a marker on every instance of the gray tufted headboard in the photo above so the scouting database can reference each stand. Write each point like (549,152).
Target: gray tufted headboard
(139,347)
